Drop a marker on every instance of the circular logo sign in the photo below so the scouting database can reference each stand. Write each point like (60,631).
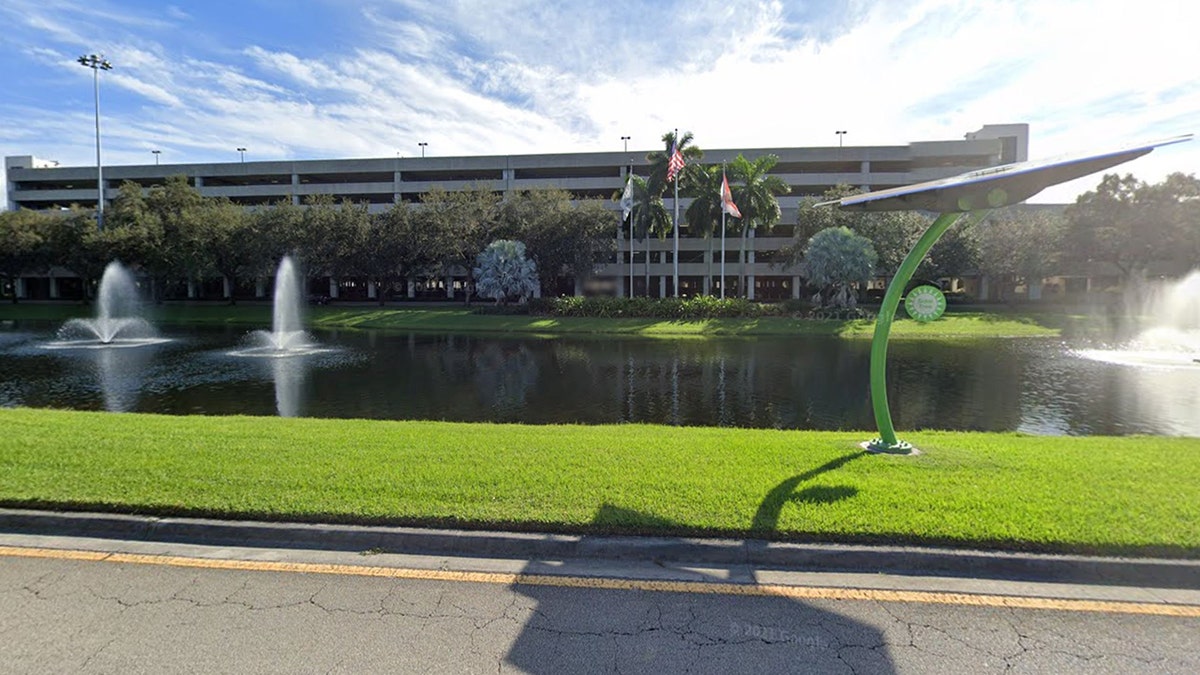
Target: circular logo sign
(925,303)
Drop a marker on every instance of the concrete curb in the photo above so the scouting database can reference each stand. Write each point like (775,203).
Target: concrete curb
(906,560)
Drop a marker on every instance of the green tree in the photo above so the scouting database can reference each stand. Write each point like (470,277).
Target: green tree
(278,231)
(395,248)
(23,244)
(648,217)
(559,237)
(465,222)
(330,235)
(178,231)
(1016,246)
(692,154)
(703,215)
(1130,224)
(132,232)
(835,258)
(956,254)
(75,243)
(755,195)
(230,241)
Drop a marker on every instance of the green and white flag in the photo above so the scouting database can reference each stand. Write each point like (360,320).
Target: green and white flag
(627,198)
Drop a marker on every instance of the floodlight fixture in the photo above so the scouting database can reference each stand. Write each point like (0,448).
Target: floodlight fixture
(97,63)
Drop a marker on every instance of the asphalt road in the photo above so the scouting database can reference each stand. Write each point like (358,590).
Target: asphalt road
(298,612)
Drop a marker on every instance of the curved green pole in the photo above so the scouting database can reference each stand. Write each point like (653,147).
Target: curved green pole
(887,441)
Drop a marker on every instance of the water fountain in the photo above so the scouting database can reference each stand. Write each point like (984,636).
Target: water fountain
(117,322)
(1168,327)
(287,336)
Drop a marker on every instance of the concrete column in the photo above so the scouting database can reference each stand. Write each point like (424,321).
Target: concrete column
(371,291)
(707,285)
(191,289)
(620,286)
(509,175)
(295,189)
(662,286)
(1035,289)
(411,289)
(53,288)
(983,287)
(795,288)
(397,189)
(333,288)
(260,287)
(226,287)
(199,182)
(450,287)
(750,266)
(19,287)
(578,287)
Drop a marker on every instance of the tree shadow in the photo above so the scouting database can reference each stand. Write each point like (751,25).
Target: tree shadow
(589,629)
(766,519)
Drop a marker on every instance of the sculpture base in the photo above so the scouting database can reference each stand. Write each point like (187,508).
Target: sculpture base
(878,446)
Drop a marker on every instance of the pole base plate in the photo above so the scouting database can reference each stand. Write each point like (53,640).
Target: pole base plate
(879,446)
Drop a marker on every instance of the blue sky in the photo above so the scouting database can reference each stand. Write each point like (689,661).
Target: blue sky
(324,78)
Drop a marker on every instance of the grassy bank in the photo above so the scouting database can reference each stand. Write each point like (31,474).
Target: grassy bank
(1136,495)
(458,320)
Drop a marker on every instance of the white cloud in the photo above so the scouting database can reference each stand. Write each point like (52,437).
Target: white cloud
(518,77)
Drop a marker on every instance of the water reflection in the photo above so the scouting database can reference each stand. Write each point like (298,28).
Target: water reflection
(120,373)
(504,375)
(1038,386)
(289,376)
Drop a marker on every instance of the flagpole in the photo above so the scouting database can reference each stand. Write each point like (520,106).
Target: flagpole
(675,275)
(723,214)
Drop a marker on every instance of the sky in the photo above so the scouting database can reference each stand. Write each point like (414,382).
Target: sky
(311,79)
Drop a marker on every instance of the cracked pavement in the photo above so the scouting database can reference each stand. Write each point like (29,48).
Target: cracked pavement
(103,617)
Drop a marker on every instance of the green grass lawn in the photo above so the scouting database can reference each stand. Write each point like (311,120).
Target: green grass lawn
(1136,495)
(457,320)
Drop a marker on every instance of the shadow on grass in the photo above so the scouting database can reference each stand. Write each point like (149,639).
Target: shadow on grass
(767,517)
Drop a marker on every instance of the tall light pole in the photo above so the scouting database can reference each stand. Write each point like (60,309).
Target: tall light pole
(422,144)
(626,140)
(97,63)
(156,153)
(840,135)
(242,154)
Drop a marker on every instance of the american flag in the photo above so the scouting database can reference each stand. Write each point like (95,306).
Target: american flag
(675,163)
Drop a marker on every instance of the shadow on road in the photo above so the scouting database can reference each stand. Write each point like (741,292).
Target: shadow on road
(585,630)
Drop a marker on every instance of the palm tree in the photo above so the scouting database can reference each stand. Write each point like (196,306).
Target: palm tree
(658,176)
(704,213)
(658,161)
(755,198)
(649,216)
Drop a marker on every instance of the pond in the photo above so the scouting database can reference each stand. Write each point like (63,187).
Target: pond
(1036,386)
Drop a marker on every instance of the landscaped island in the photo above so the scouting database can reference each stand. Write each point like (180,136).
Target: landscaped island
(461,319)
(1135,495)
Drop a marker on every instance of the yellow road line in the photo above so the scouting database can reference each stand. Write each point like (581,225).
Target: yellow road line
(700,587)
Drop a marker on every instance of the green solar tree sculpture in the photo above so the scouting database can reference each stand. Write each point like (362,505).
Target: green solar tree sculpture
(967,197)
